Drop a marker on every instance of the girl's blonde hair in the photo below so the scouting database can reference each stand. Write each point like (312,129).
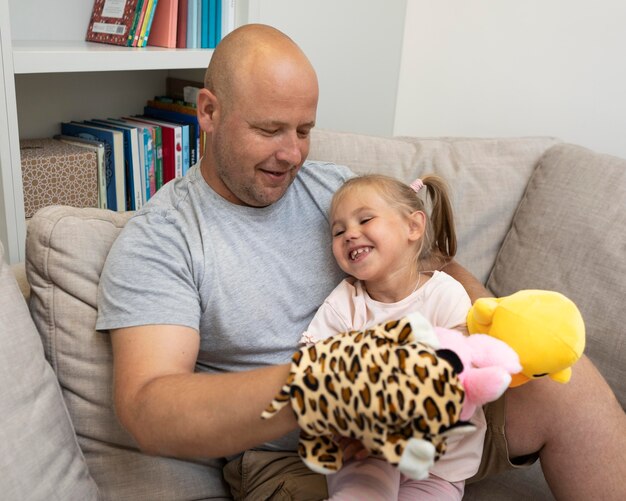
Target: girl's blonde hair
(439,240)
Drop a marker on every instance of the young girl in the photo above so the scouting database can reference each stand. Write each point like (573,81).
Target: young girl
(384,239)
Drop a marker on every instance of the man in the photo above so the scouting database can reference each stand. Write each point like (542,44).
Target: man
(225,267)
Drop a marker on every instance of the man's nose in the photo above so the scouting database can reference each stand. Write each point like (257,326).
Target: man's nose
(290,149)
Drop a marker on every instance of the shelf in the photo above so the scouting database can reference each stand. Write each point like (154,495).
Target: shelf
(76,56)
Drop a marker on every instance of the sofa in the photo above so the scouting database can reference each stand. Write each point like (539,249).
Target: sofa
(531,212)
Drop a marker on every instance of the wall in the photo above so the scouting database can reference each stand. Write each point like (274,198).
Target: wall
(355,46)
(515,68)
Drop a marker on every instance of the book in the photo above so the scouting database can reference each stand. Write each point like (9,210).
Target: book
(199,24)
(192,24)
(147,26)
(164,25)
(205,23)
(132,165)
(139,11)
(157,140)
(172,146)
(172,113)
(114,158)
(148,152)
(181,27)
(99,148)
(56,173)
(217,24)
(111,21)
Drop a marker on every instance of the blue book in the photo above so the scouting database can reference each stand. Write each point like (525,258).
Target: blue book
(192,24)
(146,143)
(218,23)
(113,158)
(206,24)
(132,169)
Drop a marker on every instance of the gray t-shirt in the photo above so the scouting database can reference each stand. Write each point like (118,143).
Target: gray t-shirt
(248,279)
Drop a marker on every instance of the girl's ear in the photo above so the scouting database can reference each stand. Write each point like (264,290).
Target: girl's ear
(417,225)
(207,109)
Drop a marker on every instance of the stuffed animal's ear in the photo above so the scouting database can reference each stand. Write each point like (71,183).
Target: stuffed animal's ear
(481,314)
(452,358)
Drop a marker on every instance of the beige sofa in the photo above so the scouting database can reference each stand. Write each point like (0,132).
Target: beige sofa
(531,213)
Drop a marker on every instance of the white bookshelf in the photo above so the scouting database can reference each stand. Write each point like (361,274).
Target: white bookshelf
(49,74)
(67,56)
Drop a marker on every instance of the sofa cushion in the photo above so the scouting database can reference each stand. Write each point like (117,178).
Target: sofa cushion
(65,251)
(487,178)
(39,454)
(569,235)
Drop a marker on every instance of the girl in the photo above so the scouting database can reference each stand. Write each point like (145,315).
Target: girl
(384,239)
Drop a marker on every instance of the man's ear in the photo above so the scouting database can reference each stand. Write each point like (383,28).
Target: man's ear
(207,109)
(417,225)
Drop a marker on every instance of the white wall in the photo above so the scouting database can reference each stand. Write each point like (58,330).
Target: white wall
(514,68)
(355,46)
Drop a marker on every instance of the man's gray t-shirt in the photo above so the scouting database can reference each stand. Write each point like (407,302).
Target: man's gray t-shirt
(248,279)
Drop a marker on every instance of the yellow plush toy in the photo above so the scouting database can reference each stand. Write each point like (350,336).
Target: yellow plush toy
(545,328)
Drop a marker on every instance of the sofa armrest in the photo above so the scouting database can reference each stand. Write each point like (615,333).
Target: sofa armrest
(19,272)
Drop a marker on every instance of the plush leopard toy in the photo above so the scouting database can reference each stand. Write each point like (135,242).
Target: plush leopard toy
(386,386)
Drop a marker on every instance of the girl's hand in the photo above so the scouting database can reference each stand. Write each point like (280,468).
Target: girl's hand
(352,448)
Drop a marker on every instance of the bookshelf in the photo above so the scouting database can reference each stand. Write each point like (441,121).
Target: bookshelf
(49,74)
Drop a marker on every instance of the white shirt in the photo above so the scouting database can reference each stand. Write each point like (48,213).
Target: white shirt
(445,303)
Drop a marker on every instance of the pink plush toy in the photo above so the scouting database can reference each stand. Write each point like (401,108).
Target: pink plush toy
(487,366)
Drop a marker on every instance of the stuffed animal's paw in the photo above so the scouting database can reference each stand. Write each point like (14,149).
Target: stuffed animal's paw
(417,459)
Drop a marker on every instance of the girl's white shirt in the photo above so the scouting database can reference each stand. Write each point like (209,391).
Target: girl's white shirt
(445,303)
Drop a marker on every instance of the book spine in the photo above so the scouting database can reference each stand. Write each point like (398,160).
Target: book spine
(146,32)
(181,26)
(136,19)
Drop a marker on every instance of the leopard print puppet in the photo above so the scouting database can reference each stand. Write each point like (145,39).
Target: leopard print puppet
(386,386)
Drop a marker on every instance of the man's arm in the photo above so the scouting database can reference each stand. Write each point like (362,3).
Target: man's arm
(172,411)
(474,288)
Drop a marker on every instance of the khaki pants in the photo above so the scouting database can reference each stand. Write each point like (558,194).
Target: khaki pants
(275,476)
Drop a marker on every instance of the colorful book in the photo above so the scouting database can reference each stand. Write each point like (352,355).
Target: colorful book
(164,25)
(111,21)
(133,168)
(147,26)
(148,152)
(100,148)
(114,158)
(157,139)
(137,18)
(172,147)
(181,27)
(172,113)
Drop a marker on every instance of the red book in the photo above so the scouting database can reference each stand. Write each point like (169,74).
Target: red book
(181,29)
(111,21)
(164,25)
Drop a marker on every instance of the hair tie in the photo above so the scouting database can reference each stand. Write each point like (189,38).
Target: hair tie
(417,185)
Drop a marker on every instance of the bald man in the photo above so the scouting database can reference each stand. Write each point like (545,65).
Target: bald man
(208,288)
